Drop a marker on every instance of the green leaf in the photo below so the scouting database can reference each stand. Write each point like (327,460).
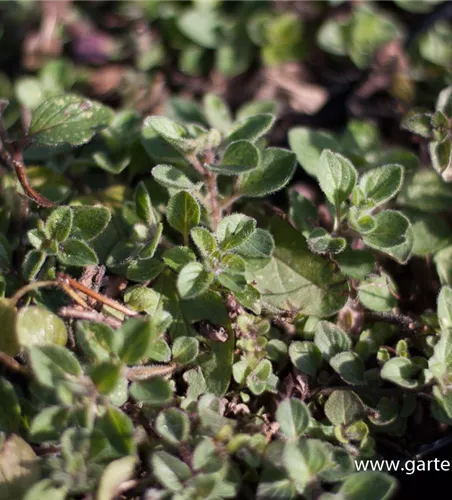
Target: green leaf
(389,230)
(321,242)
(251,128)
(89,221)
(343,408)
(175,134)
(303,212)
(445,307)
(59,223)
(304,460)
(143,204)
(68,119)
(440,363)
(133,340)
(305,356)
(142,270)
(114,475)
(331,340)
(193,280)
(308,144)
(46,489)
(337,176)
(217,112)
(257,380)
(185,350)
(105,376)
(172,178)
(259,245)
(381,184)
(239,157)
(183,212)
(297,279)
(356,264)
(77,253)
(400,371)
(201,25)
(39,326)
(234,230)
(173,425)
(169,470)
(275,170)
(118,429)
(96,340)
(33,262)
(418,123)
(430,232)
(10,412)
(293,417)
(350,367)
(154,391)
(177,257)
(376,293)
(370,485)
(9,342)
(52,364)
(204,240)
(441,156)
(49,424)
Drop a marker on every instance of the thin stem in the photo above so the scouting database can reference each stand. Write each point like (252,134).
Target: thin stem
(64,278)
(337,218)
(145,372)
(94,316)
(30,287)
(213,196)
(12,364)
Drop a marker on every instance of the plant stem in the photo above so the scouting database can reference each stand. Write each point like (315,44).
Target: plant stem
(30,287)
(12,364)
(94,316)
(145,372)
(337,219)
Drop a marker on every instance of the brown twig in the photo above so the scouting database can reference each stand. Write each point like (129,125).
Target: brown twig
(12,364)
(94,316)
(145,372)
(64,278)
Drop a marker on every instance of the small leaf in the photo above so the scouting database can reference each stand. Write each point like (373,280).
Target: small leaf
(105,376)
(343,408)
(293,417)
(183,212)
(33,262)
(169,470)
(118,429)
(356,264)
(155,391)
(9,342)
(259,376)
(275,170)
(381,184)
(259,245)
(235,230)
(177,257)
(142,270)
(217,112)
(389,230)
(10,412)
(251,128)
(133,340)
(143,204)
(59,223)
(331,340)
(68,119)
(371,485)
(445,307)
(376,293)
(114,475)
(193,280)
(321,242)
(77,253)
(185,350)
(173,425)
(52,364)
(39,326)
(337,176)
(418,123)
(239,157)
(170,177)
(204,241)
(89,221)
(172,132)
(350,367)
(400,371)
(305,356)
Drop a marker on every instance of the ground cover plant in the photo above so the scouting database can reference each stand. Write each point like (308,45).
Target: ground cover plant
(207,293)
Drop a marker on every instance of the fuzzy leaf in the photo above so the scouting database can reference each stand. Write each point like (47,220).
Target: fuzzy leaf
(217,112)
(337,176)
(185,350)
(235,230)
(381,184)
(306,356)
(154,391)
(293,417)
(445,307)
(350,367)
(400,371)
(418,123)
(51,364)
(68,119)
(370,485)
(144,269)
(115,474)
(183,212)
(77,253)
(170,177)
(59,223)
(39,326)
(169,470)
(343,408)
(143,204)
(33,262)
(321,242)
(133,340)
(251,128)
(275,170)
(204,240)
(331,340)
(89,221)
(259,245)
(177,257)
(295,278)
(175,134)
(239,157)
(389,230)
(173,425)
(193,280)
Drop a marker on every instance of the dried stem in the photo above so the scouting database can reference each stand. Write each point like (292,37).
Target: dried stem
(145,372)
(64,278)
(12,364)
(94,316)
